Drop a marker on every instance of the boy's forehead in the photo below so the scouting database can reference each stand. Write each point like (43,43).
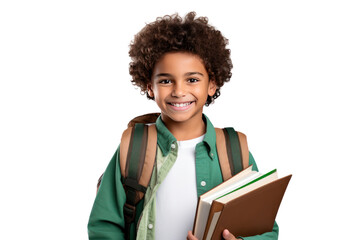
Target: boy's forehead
(179,61)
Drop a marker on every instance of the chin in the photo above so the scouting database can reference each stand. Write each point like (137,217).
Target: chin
(177,118)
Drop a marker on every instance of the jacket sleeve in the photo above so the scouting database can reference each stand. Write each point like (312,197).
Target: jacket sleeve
(273,235)
(107,219)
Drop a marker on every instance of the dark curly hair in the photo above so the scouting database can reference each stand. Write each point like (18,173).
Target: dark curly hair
(174,34)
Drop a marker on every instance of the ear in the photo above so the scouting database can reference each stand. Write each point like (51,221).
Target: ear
(150,91)
(212,88)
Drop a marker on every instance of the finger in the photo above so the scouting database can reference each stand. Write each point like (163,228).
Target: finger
(190,236)
(227,235)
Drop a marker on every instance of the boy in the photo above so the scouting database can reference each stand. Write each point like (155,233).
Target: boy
(181,64)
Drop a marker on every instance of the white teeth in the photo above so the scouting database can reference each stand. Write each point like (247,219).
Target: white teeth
(180,104)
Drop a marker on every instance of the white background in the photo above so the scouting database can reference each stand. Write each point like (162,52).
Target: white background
(66,96)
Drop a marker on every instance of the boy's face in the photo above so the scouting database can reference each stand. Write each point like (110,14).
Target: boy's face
(180,85)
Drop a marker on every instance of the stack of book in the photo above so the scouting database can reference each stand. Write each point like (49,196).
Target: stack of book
(246,205)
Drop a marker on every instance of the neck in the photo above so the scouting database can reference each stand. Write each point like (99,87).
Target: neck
(190,129)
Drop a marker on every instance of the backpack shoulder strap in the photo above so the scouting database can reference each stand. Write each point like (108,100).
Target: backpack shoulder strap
(137,158)
(233,152)
(137,153)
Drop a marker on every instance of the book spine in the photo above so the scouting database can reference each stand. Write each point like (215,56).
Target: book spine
(215,207)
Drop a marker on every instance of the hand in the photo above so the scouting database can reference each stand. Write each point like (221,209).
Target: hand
(226,235)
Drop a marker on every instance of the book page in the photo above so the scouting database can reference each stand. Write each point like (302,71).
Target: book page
(230,187)
(263,181)
(202,215)
(213,223)
(230,181)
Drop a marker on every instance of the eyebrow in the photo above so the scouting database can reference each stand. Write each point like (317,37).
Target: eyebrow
(194,73)
(186,74)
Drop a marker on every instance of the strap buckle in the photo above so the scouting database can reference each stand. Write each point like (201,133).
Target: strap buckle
(129,212)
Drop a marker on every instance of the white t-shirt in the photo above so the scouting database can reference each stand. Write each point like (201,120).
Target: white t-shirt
(176,197)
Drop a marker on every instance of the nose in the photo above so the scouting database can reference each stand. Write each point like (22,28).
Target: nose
(178,90)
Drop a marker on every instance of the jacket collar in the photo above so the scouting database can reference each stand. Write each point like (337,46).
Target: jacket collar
(165,137)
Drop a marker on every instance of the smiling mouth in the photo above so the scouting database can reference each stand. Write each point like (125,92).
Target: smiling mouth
(180,105)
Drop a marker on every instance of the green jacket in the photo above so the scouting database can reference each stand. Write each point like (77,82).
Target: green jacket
(107,218)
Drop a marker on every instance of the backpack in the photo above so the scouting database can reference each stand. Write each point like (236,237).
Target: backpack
(138,152)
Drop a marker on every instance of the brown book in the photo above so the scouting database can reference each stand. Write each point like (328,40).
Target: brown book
(206,199)
(249,211)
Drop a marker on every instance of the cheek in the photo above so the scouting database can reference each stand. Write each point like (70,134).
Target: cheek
(160,95)
(202,93)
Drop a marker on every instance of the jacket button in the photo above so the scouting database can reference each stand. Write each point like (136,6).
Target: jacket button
(150,226)
(203,183)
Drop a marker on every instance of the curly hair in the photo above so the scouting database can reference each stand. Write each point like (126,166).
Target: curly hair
(174,34)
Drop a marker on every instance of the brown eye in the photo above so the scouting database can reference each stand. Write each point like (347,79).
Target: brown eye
(165,81)
(193,80)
